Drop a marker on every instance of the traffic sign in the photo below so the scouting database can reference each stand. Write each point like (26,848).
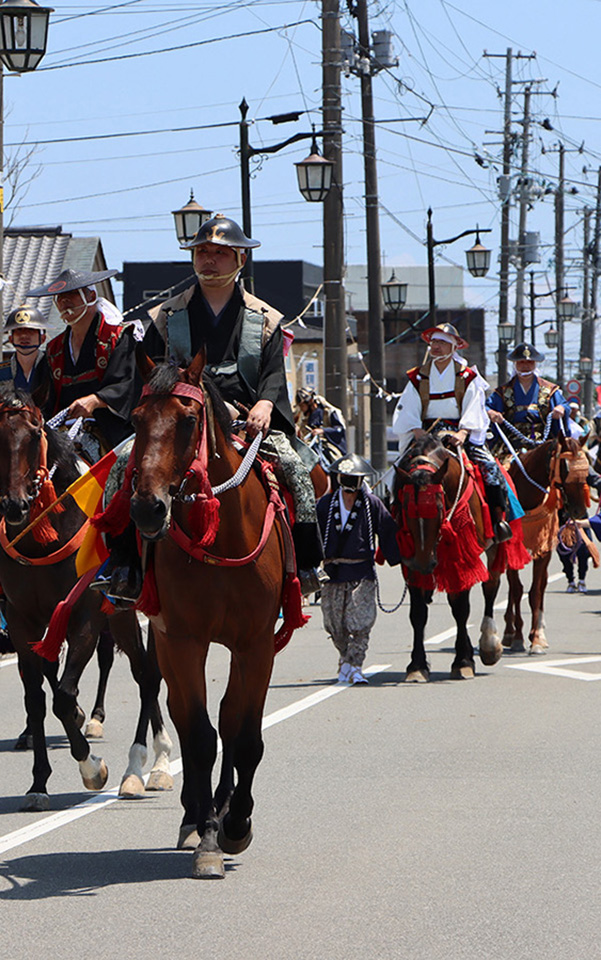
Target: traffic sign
(574,386)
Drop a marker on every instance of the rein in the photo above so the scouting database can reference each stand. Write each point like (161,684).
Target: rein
(61,554)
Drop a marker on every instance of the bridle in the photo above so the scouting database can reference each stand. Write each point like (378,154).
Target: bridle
(12,407)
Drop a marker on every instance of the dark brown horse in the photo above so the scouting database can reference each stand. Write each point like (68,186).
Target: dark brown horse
(553,474)
(182,451)
(442,534)
(36,574)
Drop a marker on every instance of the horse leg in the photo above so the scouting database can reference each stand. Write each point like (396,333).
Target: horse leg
(30,669)
(490,646)
(128,637)
(240,723)
(463,666)
(514,624)
(105,653)
(183,667)
(82,636)
(160,776)
(418,670)
(536,596)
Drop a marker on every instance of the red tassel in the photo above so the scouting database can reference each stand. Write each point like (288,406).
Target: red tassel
(292,609)
(44,532)
(115,518)
(203,518)
(50,647)
(148,601)
(459,565)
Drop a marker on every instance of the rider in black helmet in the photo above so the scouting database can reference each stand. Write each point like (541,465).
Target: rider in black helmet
(27,368)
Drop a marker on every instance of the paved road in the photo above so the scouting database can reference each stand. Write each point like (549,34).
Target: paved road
(457,820)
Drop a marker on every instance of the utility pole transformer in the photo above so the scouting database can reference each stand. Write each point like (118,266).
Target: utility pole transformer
(335,362)
(375,326)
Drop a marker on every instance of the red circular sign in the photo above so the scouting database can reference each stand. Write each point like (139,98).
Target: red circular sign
(573,386)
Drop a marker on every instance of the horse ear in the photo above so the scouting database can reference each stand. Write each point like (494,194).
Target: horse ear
(439,475)
(143,362)
(194,371)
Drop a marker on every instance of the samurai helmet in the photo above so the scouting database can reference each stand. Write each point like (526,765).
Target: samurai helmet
(525,351)
(445,331)
(305,395)
(351,470)
(223,231)
(25,317)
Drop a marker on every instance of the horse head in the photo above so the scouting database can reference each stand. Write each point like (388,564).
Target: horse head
(420,504)
(21,438)
(170,427)
(570,469)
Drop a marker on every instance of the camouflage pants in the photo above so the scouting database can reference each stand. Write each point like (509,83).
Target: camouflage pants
(349,613)
(291,470)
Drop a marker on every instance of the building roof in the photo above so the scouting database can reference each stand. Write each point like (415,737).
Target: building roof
(34,256)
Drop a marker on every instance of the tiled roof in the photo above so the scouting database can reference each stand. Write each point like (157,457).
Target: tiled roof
(34,256)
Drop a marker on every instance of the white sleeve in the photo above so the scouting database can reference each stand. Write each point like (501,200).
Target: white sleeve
(473,413)
(407,416)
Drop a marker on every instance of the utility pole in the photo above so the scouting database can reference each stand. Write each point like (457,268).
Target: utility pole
(594,256)
(523,211)
(587,335)
(559,265)
(335,362)
(375,325)
(505,218)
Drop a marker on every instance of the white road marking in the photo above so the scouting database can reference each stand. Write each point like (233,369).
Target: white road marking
(8,661)
(101,800)
(557,668)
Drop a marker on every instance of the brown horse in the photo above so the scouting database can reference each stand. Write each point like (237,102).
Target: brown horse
(36,575)
(231,596)
(555,475)
(442,534)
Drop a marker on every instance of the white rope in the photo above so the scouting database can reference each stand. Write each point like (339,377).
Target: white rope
(244,468)
(515,457)
(462,475)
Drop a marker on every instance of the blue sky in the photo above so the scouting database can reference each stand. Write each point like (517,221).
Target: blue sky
(124,189)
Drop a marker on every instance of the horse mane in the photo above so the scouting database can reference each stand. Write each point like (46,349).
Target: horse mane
(164,377)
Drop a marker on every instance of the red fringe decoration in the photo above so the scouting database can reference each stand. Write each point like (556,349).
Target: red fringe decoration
(107,607)
(44,532)
(204,520)
(148,601)
(292,609)
(459,565)
(50,647)
(116,516)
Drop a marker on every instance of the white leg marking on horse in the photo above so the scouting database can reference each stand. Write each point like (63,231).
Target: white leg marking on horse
(162,745)
(138,755)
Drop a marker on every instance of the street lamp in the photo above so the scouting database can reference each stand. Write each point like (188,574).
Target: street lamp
(551,338)
(394,294)
(23,34)
(23,37)
(586,366)
(189,219)
(247,152)
(506,333)
(314,175)
(567,308)
(478,260)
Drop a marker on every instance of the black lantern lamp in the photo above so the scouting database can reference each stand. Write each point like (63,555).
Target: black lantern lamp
(314,175)
(586,366)
(478,258)
(394,294)
(23,34)
(506,333)
(189,219)
(551,338)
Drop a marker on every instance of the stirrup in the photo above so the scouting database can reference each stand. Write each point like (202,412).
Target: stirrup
(503,531)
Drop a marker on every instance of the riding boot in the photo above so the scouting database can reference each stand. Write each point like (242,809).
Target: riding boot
(495,499)
(120,577)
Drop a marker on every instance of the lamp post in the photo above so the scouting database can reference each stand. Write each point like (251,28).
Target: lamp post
(478,260)
(394,294)
(586,374)
(307,176)
(566,309)
(189,219)
(23,38)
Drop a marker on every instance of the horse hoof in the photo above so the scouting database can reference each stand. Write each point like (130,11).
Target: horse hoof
(35,803)
(462,673)
(517,647)
(536,649)
(159,780)
(131,788)
(508,640)
(94,729)
(188,838)
(233,846)
(96,775)
(208,865)
(417,676)
(491,654)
